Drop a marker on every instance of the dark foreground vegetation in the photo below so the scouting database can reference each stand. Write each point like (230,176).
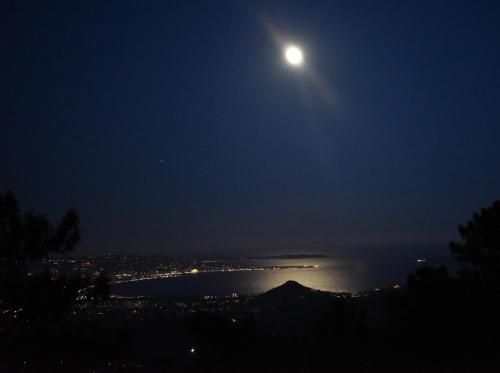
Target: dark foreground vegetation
(436,323)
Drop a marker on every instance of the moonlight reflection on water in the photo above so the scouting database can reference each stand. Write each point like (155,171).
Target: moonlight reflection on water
(319,273)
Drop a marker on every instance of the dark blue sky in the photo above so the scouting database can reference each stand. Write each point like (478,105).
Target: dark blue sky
(255,158)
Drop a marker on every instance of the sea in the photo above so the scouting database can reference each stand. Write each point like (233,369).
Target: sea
(321,273)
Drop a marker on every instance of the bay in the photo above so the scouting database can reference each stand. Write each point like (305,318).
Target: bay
(327,274)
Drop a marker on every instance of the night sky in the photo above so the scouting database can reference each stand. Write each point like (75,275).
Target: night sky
(177,126)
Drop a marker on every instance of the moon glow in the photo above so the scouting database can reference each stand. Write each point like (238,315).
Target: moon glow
(294,55)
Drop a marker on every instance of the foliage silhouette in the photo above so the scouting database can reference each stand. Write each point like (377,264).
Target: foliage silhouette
(481,244)
(436,323)
(31,236)
(27,238)
(100,289)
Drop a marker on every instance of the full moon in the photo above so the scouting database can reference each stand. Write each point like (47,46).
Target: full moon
(294,55)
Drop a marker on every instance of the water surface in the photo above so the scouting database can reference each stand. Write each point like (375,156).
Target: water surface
(330,275)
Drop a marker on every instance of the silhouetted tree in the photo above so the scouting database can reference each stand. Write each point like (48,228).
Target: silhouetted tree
(429,279)
(481,244)
(464,308)
(31,237)
(432,292)
(100,288)
(345,320)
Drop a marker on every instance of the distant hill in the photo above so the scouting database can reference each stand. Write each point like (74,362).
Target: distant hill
(289,291)
(292,308)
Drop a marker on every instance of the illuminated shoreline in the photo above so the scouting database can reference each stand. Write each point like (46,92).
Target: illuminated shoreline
(194,271)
